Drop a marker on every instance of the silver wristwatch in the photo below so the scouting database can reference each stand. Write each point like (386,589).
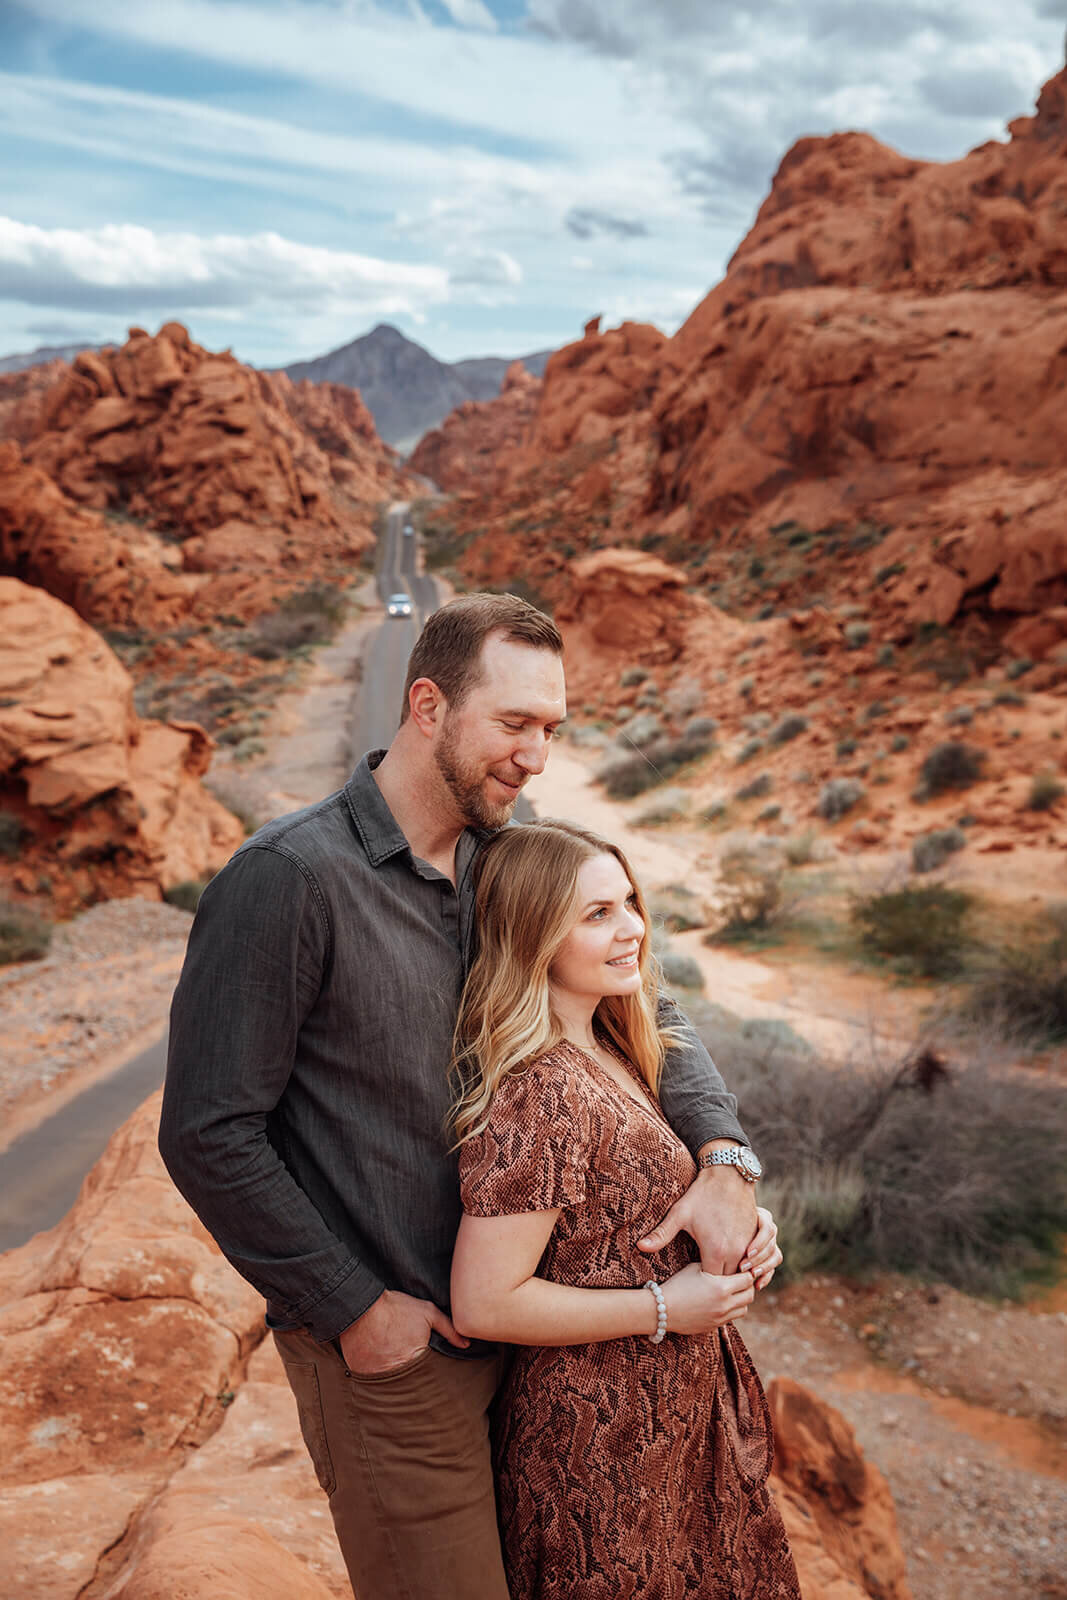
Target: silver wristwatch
(740,1156)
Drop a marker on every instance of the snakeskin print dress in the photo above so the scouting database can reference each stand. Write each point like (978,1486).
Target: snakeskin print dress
(625,1470)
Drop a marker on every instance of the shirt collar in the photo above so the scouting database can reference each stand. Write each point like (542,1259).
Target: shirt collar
(379,830)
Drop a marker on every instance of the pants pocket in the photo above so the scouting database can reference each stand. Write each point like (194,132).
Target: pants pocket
(402,1371)
(304,1382)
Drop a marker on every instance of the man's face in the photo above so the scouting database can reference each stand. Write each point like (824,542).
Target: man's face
(498,736)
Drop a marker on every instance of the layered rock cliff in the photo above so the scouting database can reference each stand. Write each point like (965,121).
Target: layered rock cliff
(854,448)
(174,498)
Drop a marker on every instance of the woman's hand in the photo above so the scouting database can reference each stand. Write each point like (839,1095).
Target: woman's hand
(699,1301)
(763,1255)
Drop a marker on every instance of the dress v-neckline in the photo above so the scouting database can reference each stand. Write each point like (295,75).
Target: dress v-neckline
(644,1104)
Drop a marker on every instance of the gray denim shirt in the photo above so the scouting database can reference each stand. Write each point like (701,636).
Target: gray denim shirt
(306,1094)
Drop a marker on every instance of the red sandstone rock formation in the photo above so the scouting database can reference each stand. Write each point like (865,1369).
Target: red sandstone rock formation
(149,1444)
(110,805)
(477,442)
(856,443)
(167,439)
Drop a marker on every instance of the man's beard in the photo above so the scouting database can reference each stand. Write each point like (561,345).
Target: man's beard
(466,785)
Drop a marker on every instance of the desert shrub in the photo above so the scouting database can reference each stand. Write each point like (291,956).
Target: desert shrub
(306,617)
(959,716)
(921,928)
(685,698)
(1045,790)
(789,727)
(912,1168)
(677,908)
(648,697)
(954,765)
(886,656)
(670,805)
(632,676)
(837,797)
(759,786)
(713,811)
(186,895)
(845,748)
(12,833)
(857,634)
(930,850)
(899,742)
(679,971)
(769,813)
(1021,989)
(750,748)
(24,933)
(1009,697)
(800,850)
(1018,668)
(640,730)
(751,895)
(625,776)
(701,728)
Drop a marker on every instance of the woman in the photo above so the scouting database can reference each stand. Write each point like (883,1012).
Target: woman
(633,1439)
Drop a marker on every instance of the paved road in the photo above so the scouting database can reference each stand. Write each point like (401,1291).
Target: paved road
(41,1173)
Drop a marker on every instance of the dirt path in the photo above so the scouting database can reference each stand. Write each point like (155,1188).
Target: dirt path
(838,1011)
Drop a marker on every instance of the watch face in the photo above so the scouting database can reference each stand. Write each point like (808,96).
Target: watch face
(751,1162)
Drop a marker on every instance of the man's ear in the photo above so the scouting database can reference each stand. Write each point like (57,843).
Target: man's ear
(427,706)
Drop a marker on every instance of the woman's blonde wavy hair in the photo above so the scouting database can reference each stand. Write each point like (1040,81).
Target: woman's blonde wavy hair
(524,909)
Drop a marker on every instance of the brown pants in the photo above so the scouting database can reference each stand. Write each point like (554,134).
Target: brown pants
(404,1460)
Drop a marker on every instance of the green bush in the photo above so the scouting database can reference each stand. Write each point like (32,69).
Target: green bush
(306,617)
(837,797)
(913,1168)
(12,833)
(679,971)
(759,786)
(626,776)
(25,934)
(186,896)
(632,676)
(1021,989)
(921,928)
(857,634)
(954,765)
(1045,790)
(789,727)
(931,850)
(750,748)
(1018,668)
(751,895)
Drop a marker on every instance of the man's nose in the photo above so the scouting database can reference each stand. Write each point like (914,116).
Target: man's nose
(532,754)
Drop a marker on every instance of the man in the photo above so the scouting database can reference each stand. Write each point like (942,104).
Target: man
(307,1096)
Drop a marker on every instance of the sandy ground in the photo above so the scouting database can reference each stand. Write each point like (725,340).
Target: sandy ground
(838,1011)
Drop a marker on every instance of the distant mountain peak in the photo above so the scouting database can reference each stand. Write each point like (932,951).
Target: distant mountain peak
(408,390)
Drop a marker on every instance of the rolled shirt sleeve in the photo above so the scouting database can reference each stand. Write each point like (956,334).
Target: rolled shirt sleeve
(258,952)
(695,1100)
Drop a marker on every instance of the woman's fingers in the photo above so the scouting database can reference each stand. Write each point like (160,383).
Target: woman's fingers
(763,1242)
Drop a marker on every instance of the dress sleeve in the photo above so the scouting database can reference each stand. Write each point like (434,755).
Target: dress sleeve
(533,1153)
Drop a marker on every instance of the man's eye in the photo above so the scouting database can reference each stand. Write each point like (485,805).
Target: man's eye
(513,727)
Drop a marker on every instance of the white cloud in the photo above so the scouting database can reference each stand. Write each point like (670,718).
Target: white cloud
(124,268)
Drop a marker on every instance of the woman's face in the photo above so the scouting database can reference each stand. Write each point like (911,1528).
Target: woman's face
(599,956)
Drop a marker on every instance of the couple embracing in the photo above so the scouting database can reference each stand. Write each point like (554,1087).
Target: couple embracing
(423,1091)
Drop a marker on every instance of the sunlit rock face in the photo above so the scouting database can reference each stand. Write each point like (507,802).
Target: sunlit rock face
(107,803)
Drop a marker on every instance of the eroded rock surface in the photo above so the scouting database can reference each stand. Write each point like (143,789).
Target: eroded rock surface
(151,1445)
(107,803)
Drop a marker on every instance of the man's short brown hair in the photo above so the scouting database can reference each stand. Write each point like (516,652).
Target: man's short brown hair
(449,648)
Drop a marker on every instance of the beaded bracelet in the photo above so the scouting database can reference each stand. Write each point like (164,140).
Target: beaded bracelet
(661,1314)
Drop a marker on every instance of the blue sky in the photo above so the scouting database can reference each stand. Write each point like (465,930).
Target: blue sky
(485,174)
